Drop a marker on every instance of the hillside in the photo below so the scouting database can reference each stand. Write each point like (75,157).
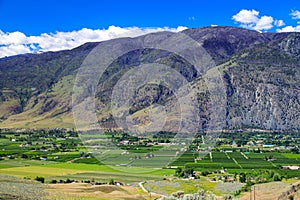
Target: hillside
(260,72)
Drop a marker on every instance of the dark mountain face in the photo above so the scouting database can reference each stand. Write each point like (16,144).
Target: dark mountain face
(264,81)
(260,72)
(222,42)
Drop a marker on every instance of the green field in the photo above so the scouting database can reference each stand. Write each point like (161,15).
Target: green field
(81,172)
(60,156)
(235,162)
(291,155)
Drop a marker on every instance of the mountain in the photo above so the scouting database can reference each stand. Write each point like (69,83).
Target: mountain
(260,73)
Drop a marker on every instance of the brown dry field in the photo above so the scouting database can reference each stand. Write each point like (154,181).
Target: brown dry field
(78,191)
(269,191)
(87,191)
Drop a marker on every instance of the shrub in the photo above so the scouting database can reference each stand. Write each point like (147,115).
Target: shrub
(24,156)
(205,173)
(291,197)
(53,181)
(277,177)
(178,194)
(40,179)
(69,180)
(111,182)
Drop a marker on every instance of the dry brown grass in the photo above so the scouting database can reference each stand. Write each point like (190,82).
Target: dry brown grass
(88,191)
(269,191)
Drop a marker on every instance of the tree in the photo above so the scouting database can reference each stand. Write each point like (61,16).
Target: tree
(111,182)
(53,181)
(204,173)
(40,179)
(68,180)
(178,172)
(277,177)
(243,177)
(271,174)
(24,156)
(295,150)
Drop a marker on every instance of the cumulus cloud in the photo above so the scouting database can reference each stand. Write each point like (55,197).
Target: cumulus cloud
(295,15)
(18,43)
(289,29)
(252,20)
(246,16)
(264,23)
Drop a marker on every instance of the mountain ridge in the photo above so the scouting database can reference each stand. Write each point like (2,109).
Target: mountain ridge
(36,89)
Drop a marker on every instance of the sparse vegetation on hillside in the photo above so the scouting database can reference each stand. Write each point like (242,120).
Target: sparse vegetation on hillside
(256,67)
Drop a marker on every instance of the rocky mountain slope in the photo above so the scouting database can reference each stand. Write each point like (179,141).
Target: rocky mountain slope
(260,72)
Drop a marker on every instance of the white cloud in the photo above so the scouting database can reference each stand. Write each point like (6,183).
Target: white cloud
(279,23)
(13,50)
(251,19)
(18,43)
(295,14)
(264,23)
(246,16)
(12,38)
(289,29)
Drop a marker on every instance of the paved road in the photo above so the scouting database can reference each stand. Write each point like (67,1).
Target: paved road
(150,193)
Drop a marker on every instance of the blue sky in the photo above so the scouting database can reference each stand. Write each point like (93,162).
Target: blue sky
(44,16)
(26,24)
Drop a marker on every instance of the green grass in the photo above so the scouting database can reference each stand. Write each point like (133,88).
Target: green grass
(80,166)
(79,171)
(7,165)
(105,168)
(107,176)
(291,155)
(88,161)
(21,163)
(64,158)
(16,168)
(40,170)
